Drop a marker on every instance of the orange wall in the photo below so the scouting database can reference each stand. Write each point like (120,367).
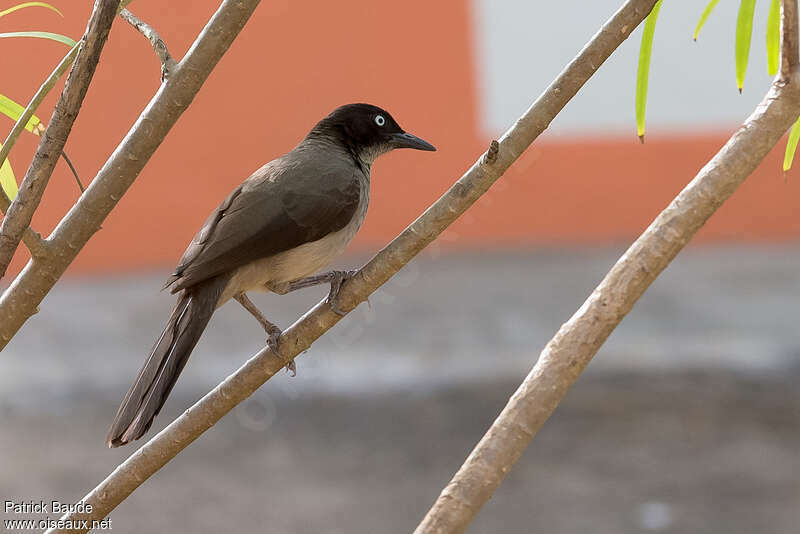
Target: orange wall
(292,64)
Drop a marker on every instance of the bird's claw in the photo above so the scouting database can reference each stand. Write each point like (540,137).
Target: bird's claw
(273,338)
(338,278)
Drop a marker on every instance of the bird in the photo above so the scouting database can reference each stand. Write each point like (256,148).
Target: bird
(284,223)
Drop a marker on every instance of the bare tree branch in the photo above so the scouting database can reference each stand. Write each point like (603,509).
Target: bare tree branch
(159,46)
(21,298)
(576,342)
(74,171)
(19,214)
(299,337)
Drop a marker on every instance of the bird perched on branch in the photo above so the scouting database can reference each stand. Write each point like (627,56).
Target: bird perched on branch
(288,220)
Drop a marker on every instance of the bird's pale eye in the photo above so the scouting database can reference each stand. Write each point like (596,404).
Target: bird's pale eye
(379,120)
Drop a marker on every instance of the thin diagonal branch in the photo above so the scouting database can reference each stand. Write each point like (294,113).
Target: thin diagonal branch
(20,212)
(299,337)
(158,44)
(789,38)
(74,171)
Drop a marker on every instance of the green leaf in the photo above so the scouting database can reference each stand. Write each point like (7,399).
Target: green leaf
(7,180)
(13,110)
(704,17)
(791,146)
(773,37)
(744,31)
(29,4)
(41,35)
(643,73)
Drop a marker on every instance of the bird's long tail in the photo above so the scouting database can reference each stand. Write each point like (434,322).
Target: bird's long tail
(149,391)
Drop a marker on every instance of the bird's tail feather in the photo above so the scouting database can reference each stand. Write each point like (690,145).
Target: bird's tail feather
(160,370)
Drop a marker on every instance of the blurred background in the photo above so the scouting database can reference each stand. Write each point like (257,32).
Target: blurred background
(687,419)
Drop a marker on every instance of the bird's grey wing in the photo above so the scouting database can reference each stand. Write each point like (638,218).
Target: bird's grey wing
(267,215)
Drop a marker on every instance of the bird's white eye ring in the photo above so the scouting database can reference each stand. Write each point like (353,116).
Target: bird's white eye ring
(379,120)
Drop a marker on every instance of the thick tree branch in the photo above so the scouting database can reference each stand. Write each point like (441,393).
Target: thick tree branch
(21,298)
(299,337)
(19,214)
(577,341)
(158,44)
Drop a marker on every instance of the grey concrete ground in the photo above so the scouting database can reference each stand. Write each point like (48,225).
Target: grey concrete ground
(687,421)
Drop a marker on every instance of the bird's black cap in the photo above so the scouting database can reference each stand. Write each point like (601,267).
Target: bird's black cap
(363,126)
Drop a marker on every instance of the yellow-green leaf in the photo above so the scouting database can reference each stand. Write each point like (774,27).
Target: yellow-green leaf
(29,4)
(13,110)
(773,37)
(7,180)
(791,146)
(744,31)
(704,17)
(41,35)
(643,72)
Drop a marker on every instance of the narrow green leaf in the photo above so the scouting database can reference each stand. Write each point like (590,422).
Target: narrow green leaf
(704,17)
(744,31)
(643,73)
(791,146)
(41,35)
(773,37)
(7,180)
(13,110)
(29,4)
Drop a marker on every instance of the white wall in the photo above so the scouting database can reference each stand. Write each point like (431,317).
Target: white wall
(523,44)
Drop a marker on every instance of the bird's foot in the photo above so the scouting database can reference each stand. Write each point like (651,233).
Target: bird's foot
(337,279)
(334,278)
(273,338)
(273,332)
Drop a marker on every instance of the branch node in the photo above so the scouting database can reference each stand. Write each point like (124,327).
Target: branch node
(491,154)
(35,243)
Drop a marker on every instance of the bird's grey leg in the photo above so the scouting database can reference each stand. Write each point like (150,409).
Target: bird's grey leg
(273,332)
(334,278)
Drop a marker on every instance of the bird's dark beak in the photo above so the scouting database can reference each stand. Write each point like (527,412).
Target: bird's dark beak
(406,140)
